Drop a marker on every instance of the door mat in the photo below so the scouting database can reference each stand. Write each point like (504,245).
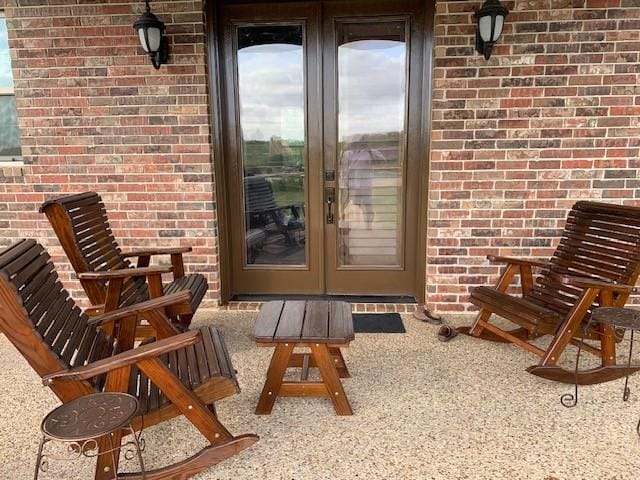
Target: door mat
(378,323)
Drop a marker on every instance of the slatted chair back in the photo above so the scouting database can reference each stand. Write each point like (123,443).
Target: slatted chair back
(259,196)
(42,321)
(600,241)
(82,227)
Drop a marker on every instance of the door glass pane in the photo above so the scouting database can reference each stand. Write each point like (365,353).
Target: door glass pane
(372,91)
(271,88)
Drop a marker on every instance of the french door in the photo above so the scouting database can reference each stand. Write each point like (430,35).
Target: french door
(323,145)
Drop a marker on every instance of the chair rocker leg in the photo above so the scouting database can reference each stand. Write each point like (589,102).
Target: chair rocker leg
(548,367)
(591,376)
(205,458)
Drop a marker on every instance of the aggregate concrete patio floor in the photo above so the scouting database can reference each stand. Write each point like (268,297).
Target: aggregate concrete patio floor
(423,410)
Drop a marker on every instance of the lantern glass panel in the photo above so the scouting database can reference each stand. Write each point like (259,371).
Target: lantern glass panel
(498,28)
(143,39)
(484,25)
(154,34)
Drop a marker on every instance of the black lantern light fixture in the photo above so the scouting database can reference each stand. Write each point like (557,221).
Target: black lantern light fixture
(490,19)
(151,30)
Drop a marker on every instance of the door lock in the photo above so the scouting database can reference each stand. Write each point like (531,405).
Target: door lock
(329,198)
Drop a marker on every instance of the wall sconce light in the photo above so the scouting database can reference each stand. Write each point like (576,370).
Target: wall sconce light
(151,30)
(490,19)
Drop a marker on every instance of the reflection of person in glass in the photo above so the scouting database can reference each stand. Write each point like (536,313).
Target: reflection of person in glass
(278,151)
(356,183)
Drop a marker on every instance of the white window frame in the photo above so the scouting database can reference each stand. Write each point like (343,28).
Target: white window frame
(6,92)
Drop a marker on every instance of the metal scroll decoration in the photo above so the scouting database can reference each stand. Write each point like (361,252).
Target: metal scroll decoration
(90,449)
(81,423)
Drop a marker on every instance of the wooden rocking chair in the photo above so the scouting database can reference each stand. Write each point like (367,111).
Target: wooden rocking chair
(80,222)
(180,374)
(597,263)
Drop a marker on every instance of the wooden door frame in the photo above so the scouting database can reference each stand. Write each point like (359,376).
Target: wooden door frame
(215,71)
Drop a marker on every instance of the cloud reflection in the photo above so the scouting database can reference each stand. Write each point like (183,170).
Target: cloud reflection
(372,76)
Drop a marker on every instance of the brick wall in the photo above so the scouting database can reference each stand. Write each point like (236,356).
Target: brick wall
(95,115)
(552,117)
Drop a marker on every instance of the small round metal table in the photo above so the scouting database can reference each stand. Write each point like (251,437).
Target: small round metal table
(621,319)
(83,421)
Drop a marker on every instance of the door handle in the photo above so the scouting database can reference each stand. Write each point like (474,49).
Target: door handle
(329,199)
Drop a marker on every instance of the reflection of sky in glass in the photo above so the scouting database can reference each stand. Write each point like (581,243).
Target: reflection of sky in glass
(271,83)
(372,84)
(6,80)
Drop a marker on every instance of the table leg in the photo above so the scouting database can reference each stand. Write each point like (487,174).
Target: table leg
(305,367)
(277,369)
(331,379)
(339,362)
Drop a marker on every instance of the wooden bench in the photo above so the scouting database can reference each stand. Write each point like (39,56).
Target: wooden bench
(180,374)
(321,327)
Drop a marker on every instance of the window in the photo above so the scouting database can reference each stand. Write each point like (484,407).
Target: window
(9,133)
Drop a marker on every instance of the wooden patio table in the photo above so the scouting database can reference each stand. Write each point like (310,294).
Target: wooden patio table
(323,327)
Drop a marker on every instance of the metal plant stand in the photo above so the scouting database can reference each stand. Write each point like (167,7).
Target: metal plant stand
(621,319)
(81,424)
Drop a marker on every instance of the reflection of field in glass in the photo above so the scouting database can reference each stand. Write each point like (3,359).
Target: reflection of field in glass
(285,170)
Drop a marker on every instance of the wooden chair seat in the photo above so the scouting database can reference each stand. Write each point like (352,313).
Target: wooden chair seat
(203,368)
(195,283)
(519,310)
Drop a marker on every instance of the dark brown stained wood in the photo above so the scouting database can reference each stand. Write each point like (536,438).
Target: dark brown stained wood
(130,272)
(212,359)
(223,360)
(183,368)
(331,379)
(291,319)
(192,366)
(148,305)
(203,365)
(267,320)
(597,263)
(341,323)
(192,407)
(36,304)
(75,357)
(277,368)
(320,326)
(49,312)
(81,224)
(316,321)
(148,252)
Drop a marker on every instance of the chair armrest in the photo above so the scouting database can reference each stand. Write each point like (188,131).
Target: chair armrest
(125,273)
(129,357)
(585,282)
(156,251)
(142,307)
(94,310)
(533,262)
